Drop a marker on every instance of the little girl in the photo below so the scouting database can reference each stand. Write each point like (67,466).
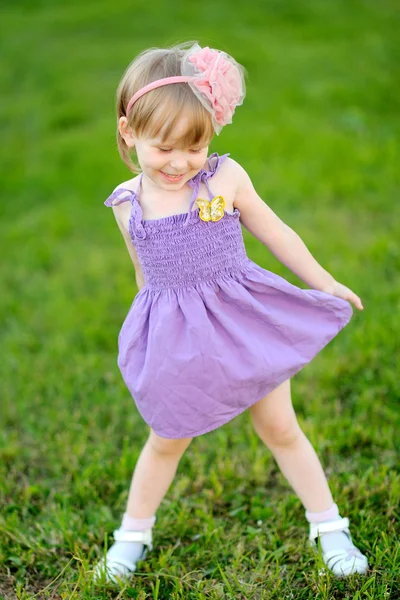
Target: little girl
(210,332)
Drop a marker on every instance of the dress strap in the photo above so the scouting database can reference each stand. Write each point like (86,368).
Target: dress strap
(123,195)
(118,196)
(214,163)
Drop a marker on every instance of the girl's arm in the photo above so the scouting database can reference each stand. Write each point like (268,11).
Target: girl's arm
(283,242)
(131,249)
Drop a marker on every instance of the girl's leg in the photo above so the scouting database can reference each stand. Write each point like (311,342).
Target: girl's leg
(276,424)
(153,474)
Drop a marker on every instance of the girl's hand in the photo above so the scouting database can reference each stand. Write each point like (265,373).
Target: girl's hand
(341,291)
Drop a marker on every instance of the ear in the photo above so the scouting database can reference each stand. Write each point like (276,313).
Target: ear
(126,132)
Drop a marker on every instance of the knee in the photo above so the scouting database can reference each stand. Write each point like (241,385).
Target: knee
(278,433)
(167,447)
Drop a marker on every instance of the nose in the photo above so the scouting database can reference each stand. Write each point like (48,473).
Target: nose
(178,163)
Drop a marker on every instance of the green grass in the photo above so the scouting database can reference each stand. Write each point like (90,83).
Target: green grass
(318,134)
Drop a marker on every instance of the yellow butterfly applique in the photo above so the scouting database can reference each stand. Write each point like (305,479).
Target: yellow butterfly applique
(211,211)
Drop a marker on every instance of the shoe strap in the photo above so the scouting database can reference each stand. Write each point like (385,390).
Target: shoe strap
(123,535)
(328,527)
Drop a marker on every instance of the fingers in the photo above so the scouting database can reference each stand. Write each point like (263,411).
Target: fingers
(346,293)
(356,301)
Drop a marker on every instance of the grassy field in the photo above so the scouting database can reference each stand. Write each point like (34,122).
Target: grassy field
(318,134)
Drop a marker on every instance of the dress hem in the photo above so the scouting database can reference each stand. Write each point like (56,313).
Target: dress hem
(266,390)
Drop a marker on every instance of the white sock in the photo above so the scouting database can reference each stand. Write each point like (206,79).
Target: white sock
(130,551)
(335,540)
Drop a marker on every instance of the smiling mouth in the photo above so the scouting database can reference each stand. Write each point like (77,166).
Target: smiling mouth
(172,176)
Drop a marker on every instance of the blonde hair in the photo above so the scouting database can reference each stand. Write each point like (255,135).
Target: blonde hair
(157,112)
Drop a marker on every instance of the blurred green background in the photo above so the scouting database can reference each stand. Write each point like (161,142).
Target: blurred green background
(318,134)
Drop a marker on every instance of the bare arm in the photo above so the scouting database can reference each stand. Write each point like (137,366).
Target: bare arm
(283,242)
(131,249)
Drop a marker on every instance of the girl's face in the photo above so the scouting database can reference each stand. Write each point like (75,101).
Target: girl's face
(169,165)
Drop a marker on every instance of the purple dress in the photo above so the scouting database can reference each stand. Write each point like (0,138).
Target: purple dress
(211,332)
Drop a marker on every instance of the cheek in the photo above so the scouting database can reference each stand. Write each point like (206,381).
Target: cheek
(153,160)
(199,160)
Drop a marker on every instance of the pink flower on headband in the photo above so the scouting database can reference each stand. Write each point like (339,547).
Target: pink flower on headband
(219,83)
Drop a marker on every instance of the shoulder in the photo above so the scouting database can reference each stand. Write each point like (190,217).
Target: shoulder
(234,174)
(120,195)
(236,170)
(119,202)
(131,185)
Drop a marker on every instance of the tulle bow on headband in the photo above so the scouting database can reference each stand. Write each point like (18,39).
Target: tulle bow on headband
(215,78)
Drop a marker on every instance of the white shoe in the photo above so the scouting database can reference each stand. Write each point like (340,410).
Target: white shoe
(115,570)
(341,562)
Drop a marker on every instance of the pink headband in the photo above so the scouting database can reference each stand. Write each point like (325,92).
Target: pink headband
(216,79)
(154,85)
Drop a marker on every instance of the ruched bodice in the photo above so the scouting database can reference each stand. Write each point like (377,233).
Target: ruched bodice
(182,250)
(172,255)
